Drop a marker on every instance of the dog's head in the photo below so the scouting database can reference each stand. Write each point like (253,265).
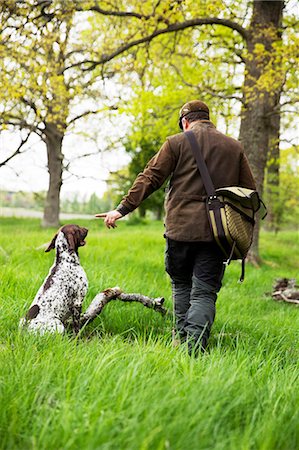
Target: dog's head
(74,235)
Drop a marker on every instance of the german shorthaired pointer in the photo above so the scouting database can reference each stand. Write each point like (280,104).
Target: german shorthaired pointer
(62,293)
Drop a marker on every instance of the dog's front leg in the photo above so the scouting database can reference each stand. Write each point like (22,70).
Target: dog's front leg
(76,315)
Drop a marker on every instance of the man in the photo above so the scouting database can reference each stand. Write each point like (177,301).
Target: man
(193,260)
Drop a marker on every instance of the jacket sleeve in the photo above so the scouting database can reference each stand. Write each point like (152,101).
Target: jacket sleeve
(246,177)
(153,176)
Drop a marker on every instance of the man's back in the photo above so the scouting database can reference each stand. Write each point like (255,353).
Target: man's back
(186,217)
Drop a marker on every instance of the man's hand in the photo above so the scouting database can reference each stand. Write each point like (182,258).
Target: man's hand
(110,218)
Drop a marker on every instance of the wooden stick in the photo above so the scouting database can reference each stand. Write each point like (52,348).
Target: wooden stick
(100,301)
(154,303)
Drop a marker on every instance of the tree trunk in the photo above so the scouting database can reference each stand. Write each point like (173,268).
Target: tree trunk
(54,137)
(260,95)
(142,211)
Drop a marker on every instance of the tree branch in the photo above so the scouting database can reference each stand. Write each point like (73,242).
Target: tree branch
(17,151)
(104,12)
(16,121)
(30,103)
(179,26)
(210,91)
(84,114)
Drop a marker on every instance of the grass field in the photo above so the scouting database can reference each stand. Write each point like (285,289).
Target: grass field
(122,385)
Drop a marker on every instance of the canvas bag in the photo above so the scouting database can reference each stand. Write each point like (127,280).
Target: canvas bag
(231,210)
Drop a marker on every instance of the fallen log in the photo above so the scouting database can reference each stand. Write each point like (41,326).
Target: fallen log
(103,298)
(281,296)
(287,290)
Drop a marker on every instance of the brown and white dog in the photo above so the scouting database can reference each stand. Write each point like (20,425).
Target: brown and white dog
(62,293)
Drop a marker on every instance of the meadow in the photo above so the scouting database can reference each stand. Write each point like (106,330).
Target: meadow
(121,385)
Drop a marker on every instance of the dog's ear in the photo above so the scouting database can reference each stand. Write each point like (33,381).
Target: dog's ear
(51,246)
(70,237)
(82,235)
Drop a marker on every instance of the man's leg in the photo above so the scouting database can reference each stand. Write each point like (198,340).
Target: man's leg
(201,314)
(179,266)
(181,300)
(206,283)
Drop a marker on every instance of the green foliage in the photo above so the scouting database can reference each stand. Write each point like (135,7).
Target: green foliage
(29,200)
(285,195)
(88,206)
(145,150)
(35,200)
(162,85)
(121,384)
(35,50)
(118,183)
(289,182)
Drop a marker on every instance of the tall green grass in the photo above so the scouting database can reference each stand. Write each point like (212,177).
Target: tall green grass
(121,384)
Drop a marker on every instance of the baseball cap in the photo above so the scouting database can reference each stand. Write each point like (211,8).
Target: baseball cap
(193,106)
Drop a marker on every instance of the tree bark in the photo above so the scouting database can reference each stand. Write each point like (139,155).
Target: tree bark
(259,100)
(53,137)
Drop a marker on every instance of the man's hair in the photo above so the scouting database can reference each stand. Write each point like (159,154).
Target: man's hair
(197,115)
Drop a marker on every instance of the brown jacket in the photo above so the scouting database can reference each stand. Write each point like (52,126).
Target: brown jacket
(186,217)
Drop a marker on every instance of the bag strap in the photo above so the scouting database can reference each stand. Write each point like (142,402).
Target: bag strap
(207,181)
(201,164)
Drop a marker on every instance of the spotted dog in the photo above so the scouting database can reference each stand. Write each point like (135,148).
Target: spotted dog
(63,291)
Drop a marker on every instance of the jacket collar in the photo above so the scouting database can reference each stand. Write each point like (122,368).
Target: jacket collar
(200,123)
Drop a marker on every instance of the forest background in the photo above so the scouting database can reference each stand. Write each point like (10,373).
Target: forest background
(113,76)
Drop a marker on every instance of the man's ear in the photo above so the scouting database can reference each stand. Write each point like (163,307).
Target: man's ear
(186,124)
(51,246)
